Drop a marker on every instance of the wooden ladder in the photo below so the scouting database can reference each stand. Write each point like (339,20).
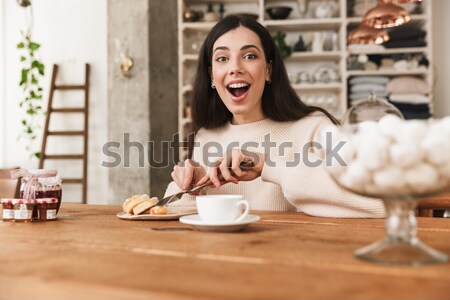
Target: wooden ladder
(83,110)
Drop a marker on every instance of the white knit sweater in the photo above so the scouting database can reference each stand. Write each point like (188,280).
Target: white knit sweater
(282,187)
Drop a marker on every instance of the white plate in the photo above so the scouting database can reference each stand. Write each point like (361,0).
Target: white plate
(175,214)
(198,224)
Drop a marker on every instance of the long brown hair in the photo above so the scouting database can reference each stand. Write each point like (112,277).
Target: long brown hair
(279,100)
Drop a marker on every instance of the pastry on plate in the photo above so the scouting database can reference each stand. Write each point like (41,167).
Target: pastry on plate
(138,204)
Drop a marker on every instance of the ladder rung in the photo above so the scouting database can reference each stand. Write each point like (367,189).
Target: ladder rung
(64,156)
(65,133)
(68,110)
(70,87)
(72,180)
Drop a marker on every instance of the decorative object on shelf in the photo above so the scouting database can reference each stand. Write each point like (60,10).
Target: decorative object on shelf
(279,39)
(300,45)
(367,35)
(211,15)
(24,3)
(317,44)
(326,74)
(279,12)
(190,15)
(326,9)
(330,41)
(31,73)
(303,77)
(386,15)
(221,10)
(122,59)
(302,7)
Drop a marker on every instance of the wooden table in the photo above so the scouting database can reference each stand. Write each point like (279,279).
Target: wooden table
(91,254)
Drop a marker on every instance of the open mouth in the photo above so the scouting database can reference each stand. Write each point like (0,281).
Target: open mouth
(238,89)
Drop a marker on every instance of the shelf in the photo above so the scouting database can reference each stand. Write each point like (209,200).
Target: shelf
(317,86)
(312,56)
(387,72)
(189,57)
(303,24)
(391,51)
(353,20)
(204,26)
(222,1)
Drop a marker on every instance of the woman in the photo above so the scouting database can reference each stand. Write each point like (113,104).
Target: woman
(244,109)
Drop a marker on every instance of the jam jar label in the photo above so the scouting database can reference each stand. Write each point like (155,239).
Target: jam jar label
(23,213)
(51,214)
(8,213)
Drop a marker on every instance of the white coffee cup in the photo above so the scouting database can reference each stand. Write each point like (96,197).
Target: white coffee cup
(222,208)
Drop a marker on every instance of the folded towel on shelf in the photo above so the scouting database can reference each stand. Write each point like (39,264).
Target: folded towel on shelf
(405,43)
(367,87)
(413,98)
(408,31)
(410,107)
(408,85)
(365,95)
(408,115)
(369,79)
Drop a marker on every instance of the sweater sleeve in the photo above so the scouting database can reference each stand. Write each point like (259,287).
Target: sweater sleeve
(311,189)
(186,200)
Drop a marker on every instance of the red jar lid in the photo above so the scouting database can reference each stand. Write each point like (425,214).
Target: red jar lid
(22,201)
(46,200)
(6,201)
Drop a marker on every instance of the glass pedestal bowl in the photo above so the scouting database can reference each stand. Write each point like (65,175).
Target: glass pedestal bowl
(399,162)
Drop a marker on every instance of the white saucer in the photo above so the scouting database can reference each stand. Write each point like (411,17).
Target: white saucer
(195,221)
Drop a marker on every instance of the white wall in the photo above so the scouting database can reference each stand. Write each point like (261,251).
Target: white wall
(441,50)
(71,33)
(2,86)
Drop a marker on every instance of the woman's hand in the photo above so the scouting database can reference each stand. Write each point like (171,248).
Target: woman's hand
(228,168)
(187,174)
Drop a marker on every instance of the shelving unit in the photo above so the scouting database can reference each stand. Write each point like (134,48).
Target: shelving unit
(331,95)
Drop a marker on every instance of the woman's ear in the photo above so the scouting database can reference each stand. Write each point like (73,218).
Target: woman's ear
(269,72)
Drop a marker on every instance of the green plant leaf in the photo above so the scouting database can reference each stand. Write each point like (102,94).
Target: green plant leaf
(37,154)
(24,122)
(23,58)
(29,130)
(33,46)
(20,45)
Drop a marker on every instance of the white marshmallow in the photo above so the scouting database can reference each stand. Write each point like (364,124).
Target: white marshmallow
(390,180)
(373,153)
(413,131)
(389,125)
(405,154)
(421,178)
(436,148)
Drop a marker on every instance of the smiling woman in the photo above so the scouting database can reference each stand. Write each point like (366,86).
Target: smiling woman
(244,104)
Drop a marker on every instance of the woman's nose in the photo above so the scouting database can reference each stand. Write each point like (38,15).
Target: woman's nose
(236,68)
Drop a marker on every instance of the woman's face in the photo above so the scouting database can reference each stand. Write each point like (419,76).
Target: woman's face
(239,72)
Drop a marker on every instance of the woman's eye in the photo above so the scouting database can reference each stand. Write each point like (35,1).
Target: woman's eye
(221,58)
(250,56)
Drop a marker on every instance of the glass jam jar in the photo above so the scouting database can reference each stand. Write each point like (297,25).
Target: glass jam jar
(46,187)
(46,208)
(23,210)
(8,210)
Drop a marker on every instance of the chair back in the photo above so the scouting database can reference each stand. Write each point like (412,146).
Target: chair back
(9,188)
